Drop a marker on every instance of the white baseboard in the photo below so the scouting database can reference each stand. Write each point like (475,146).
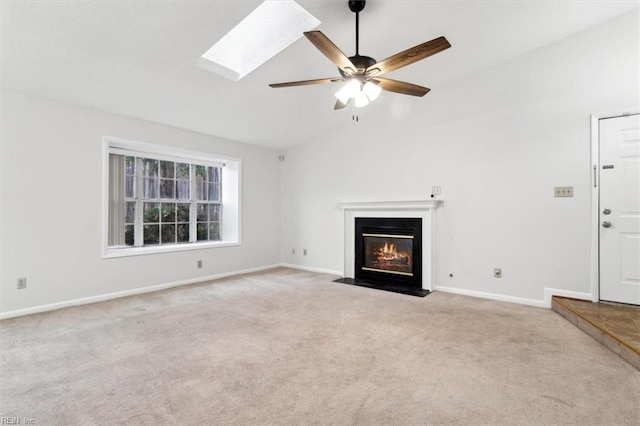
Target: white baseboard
(550,292)
(493,296)
(133,292)
(311,269)
(546,303)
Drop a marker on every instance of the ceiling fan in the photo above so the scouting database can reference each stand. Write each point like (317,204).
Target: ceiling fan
(362,73)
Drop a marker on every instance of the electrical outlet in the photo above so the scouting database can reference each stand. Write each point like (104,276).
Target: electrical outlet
(436,190)
(497,272)
(304,252)
(22,283)
(563,191)
(199,264)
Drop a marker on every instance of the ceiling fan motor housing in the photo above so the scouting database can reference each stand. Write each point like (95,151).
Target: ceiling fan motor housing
(361,63)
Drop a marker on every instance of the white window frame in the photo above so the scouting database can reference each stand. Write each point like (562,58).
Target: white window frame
(230,199)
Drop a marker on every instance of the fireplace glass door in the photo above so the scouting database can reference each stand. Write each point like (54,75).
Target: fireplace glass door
(389,251)
(391,254)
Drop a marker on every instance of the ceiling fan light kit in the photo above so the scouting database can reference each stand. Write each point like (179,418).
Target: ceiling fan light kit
(372,90)
(361,93)
(361,100)
(348,91)
(362,74)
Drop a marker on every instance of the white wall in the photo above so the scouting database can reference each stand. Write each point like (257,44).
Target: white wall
(52,206)
(497,143)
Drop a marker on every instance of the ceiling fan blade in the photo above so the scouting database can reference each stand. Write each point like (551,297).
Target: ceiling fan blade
(307,82)
(409,56)
(331,51)
(401,87)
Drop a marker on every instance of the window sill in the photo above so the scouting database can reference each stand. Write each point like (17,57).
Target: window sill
(138,251)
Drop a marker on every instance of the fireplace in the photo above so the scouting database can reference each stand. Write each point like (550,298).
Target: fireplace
(388,251)
(407,227)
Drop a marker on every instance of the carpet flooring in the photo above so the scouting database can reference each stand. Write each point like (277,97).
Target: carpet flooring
(293,347)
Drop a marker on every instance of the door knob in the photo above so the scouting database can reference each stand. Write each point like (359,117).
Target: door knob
(606,211)
(606,224)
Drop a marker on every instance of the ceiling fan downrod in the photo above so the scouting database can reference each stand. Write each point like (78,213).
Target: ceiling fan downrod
(357,6)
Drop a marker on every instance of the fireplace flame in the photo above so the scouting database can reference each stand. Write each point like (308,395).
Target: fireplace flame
(388,253)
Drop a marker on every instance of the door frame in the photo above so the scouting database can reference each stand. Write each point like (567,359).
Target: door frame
(594,183)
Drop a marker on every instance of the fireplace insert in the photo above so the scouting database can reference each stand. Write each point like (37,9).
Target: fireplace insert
(388,251)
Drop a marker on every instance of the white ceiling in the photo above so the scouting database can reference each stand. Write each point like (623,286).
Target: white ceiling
(138,58)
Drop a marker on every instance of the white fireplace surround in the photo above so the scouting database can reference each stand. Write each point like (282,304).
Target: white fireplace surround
(423,209)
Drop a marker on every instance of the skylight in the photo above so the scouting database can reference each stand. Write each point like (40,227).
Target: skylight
(268,30)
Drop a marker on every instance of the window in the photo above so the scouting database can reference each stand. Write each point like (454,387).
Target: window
(171,199)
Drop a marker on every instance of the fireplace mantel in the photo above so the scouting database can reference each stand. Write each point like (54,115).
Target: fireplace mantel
(391,205)
(424,209)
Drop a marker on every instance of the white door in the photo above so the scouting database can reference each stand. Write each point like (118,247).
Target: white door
(620,209)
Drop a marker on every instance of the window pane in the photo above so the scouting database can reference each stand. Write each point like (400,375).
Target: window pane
(130,165)
(167,188)
(130,187)
(151,234)
(202,232)
(201,193)
(201,173)
(151,213)
(214,192)
(182,231)
(183,190)
(150,188)
(149,167)
(168,212)
(183,213)
(214,231)
(214,212)
(129,212)
(182,171)
(167,169)
(202,212)
(212,174)
(168,234)
(128,235)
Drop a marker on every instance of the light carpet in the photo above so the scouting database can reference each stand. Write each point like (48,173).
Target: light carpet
(293,347)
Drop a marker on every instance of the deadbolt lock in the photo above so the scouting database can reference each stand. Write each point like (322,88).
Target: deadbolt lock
(606,211)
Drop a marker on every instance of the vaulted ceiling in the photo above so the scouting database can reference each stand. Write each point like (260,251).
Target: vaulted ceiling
(139,58)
